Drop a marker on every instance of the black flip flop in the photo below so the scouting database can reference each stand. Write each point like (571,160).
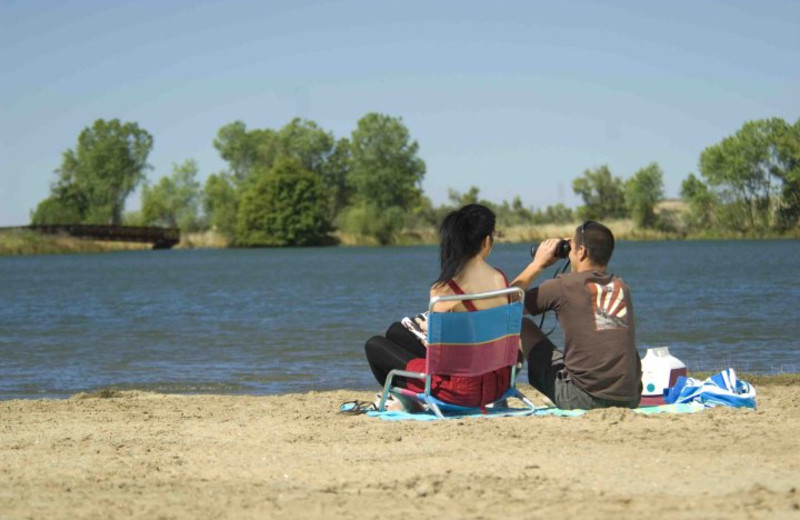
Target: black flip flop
(356,407)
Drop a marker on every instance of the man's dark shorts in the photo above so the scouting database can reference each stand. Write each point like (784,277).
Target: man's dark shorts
(547,373)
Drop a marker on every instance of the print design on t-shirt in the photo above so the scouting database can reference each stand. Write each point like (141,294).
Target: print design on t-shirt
(608,302)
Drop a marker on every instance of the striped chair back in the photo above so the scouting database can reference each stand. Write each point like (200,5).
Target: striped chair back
(474,343)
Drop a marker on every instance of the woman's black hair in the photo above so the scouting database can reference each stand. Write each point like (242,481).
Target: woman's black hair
(461,237)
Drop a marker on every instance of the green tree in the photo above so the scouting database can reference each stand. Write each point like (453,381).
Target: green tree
(471,196)
(642,192)
(242,149)
(55,210)
(94,180)
(174,200)
(320,153)
(285,207)
(787,170)
(249,151)
(602,193)
(755,172)
(367,220)
(555,214)
(424,215)
(385,174)
(220,203)
(702,203)
(519,215)
(385,169)
(133,218)
(512,214)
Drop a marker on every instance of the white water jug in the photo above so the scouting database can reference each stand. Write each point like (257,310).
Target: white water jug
(660,370)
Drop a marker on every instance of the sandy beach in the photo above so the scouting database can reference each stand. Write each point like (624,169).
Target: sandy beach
(142,455)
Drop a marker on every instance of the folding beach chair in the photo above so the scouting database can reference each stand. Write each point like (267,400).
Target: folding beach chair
(467,344)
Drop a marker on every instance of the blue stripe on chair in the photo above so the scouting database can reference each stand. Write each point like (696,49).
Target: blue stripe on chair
(475,327)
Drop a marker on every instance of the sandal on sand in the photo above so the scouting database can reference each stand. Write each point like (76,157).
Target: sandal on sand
(356,407)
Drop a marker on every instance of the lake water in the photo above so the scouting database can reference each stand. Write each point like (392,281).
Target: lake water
(292,320)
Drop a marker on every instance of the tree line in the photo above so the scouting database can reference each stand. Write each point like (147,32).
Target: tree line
(749,184)
(295,185)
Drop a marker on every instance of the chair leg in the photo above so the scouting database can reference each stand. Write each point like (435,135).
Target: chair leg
(519,395)
(433,406)
(385,394)
(388,387)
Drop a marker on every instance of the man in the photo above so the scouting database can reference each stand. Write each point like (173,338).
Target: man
(600,366)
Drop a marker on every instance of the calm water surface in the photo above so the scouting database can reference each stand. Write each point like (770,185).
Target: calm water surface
(288,320)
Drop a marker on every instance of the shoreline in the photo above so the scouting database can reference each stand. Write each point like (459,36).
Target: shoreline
(783,379)
(31,244)
(143,455)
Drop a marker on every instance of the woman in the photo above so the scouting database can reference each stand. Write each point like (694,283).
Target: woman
(466,239)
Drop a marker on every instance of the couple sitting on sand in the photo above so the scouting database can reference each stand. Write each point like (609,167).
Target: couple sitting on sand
(599,366)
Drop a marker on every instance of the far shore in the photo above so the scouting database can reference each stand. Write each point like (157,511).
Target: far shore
(133,454)
(29,243)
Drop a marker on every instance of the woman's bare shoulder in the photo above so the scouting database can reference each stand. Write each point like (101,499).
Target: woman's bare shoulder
(442,290)
(500,277)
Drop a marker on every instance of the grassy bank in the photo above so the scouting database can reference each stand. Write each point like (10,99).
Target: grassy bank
(20,242)
(30,243)
(203,240)
(623,229)
(17,242)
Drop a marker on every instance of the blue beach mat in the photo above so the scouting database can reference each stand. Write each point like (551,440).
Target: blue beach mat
(476,413)
(687,396)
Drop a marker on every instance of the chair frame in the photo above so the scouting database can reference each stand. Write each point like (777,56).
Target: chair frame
(426,397)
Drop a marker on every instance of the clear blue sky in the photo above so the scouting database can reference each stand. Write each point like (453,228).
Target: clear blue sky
(517,98)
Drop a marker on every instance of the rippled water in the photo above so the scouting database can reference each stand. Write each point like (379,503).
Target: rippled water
(286,320)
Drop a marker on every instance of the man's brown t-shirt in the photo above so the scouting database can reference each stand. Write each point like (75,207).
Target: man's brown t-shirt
(596,312)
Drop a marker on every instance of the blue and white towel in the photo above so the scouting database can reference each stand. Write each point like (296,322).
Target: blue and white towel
(723,389)
(488,413)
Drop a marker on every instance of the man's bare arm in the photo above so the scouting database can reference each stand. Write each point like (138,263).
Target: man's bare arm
(545,257)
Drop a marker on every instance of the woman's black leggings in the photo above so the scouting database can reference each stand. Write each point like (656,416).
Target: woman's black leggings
(394,351)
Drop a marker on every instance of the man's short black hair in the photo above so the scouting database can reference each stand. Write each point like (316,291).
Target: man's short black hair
(597,239)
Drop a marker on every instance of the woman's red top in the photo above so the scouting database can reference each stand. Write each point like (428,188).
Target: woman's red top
(458,390)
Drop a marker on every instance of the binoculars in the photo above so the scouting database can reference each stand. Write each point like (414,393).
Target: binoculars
(562,249)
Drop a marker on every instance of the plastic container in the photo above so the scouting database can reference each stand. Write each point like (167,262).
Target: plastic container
(660,370)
